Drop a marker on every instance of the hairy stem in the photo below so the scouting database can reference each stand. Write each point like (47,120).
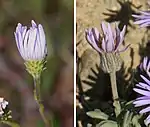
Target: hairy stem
(10,123)
(116,102)
(37,96)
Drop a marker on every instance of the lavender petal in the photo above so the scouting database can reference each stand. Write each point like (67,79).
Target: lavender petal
(145,110)
(142,92)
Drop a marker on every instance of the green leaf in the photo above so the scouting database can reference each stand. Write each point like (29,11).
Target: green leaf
(10,123)
(135,121)
(40,123)
(98,114)
(131,120)
(56,122)
(127,119)
(107,123)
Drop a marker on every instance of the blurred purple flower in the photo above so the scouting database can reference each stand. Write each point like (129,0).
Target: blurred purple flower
(109,41)
(143,19)
(145,65)
(143,88)
(31,43)
(148,2)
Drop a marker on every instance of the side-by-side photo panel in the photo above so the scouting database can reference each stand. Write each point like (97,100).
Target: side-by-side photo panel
(113,64)
(36,63)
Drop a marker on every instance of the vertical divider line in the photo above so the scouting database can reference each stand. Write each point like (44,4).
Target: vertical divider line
(74,63)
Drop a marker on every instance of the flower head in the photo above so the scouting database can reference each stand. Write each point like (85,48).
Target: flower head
(107,45)
(3,105)
(143,19)
(109,41)
(143,88)
(31,42)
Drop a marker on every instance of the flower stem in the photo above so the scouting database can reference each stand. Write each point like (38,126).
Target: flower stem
(10,123)
(37,96)
(116,102)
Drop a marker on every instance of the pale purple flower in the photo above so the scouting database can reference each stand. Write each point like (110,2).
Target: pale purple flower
(31,42)
(109,41)
(3,104)
(143,19)
(143,88)
(145,65)
(148,2)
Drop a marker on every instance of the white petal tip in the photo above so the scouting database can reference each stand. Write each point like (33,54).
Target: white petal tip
(33,23)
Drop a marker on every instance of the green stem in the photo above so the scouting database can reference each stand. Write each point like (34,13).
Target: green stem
(116,102)
(12,124)
(37,96)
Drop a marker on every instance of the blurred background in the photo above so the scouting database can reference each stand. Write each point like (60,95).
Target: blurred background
(16,85)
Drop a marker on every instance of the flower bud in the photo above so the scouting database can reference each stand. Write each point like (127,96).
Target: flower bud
(32,47)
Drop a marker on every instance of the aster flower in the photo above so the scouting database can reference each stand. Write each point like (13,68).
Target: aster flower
(145,65)
(107,44)
(3,105)
(32,47)
(143,19)
(109,41)
(31,43)
(143,88)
